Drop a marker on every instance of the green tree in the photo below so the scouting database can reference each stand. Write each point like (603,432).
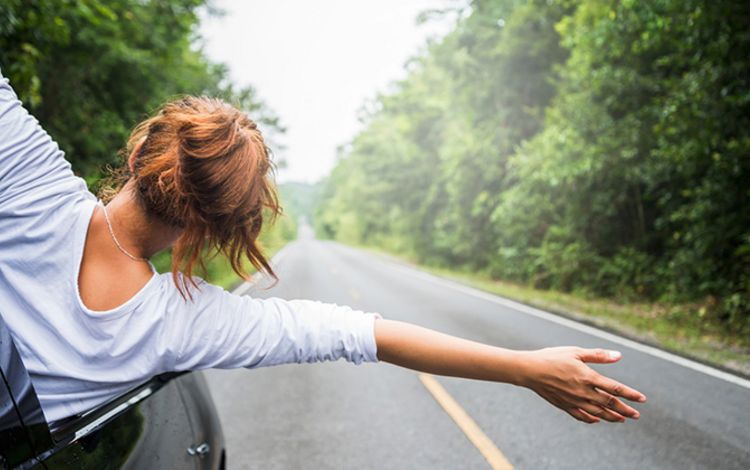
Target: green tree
(580,145)
(90,70)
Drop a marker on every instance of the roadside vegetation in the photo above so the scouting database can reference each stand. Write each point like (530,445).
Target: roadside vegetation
(91,70)
(591,154)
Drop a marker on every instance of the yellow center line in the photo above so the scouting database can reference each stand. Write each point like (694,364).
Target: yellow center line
(484,444)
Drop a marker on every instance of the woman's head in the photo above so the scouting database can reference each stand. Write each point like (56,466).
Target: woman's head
(202,166)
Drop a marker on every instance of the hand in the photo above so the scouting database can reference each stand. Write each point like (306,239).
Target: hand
(560,376)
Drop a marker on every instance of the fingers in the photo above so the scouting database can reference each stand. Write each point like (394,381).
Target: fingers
(618,390)
(599,356)
(610,402)
(604,356)
(581,415)
(601,412)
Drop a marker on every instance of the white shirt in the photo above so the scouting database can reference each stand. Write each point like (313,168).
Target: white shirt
(78,358)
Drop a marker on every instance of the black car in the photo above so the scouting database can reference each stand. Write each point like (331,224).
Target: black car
(168,422)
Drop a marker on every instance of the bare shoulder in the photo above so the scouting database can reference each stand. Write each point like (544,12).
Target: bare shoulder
(107,279)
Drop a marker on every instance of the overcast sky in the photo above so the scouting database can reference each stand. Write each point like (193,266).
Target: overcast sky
(315,63)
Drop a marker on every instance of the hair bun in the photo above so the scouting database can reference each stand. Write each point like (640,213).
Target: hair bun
(204,166)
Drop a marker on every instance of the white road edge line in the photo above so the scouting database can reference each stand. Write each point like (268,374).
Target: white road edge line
(650,350)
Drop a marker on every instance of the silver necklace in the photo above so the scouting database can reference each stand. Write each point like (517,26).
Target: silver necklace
(114,238)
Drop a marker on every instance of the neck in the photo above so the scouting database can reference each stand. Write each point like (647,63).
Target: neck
(139,234)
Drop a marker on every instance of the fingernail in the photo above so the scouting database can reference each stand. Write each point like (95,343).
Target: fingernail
(642,399)
(614,354)
(636,415)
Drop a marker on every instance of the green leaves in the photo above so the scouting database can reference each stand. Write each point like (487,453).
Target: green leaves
(90,70)
(584,145)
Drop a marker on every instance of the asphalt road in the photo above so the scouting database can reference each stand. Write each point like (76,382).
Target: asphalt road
(378,416)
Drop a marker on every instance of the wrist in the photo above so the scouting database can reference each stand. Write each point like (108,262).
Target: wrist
(519,370)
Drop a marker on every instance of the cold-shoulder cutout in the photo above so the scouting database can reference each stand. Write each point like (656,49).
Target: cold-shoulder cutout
(106,279)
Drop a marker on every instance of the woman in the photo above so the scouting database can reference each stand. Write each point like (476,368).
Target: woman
(92,319)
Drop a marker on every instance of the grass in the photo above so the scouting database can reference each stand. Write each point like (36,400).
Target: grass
(670,327)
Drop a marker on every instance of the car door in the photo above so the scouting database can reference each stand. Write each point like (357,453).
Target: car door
(208,444)
(148,427)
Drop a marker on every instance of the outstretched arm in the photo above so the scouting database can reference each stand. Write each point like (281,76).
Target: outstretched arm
(559,375)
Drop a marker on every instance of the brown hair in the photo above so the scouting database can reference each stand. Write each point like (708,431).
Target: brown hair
(202,165)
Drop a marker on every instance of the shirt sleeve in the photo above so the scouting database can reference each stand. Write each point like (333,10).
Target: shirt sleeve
(224,330)
(32,166)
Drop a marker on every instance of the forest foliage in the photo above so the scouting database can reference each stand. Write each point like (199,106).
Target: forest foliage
(592,146)
(90,70)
